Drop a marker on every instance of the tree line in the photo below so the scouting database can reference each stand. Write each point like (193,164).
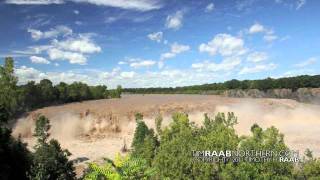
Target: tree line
(293,83)
(35,95)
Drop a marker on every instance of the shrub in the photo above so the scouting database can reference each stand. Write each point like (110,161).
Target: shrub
(122,168)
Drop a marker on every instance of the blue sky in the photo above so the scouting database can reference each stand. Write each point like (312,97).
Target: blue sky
(159,43)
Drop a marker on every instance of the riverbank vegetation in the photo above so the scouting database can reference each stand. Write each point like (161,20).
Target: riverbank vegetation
(21,98)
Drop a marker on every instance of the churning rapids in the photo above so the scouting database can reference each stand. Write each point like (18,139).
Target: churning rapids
(94,129)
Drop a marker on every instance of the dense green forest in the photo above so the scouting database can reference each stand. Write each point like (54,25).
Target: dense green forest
(264,84)
(163,153)
(34,95)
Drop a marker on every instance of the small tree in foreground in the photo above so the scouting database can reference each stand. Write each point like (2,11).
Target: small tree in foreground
(50,162)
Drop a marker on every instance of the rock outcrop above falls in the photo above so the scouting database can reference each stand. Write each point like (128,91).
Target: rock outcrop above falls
(310,95)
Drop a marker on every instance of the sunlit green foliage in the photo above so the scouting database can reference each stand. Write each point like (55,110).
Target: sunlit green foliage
(173,158)
(122,168)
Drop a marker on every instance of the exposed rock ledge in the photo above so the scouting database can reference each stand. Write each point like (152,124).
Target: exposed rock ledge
(310,95)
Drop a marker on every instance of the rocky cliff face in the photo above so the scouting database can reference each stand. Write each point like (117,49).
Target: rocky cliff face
(311,95)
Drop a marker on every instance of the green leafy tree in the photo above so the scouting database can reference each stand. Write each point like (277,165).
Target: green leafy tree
(62,89)
(99,92)
(47,91)
(8,87)
(140,133)
(42,130)
(50,161)
(144,142)
(269,139)
(116,93)
(173,159)
(119,91)
(31,93)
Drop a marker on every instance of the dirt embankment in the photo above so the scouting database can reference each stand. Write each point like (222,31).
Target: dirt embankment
(310,95)
(94,129)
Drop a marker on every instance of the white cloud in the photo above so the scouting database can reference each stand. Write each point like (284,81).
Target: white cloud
(157,36)
(26,74)
(269,34)
(165,78)
(226,65)
(144,63)
(81,44)
(52,33)
(179,48)
(33,50)
(300,3)
(174,21)
(244,4)
(172,73)
(257,57)
(298,72)
(256,28)
(160,64)
(257,68)
(137,62)
(224,44)
(307,62)
(122,62)
(167,55)
(76,12)
(270,37)
(39,60)
(34,2)
(72,57)
(209,7)
(78,23)
(73,49)
(139,5)
(111,19)
(127,75)
(175,50)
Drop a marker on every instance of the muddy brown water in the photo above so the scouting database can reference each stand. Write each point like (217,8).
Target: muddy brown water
(91,130)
